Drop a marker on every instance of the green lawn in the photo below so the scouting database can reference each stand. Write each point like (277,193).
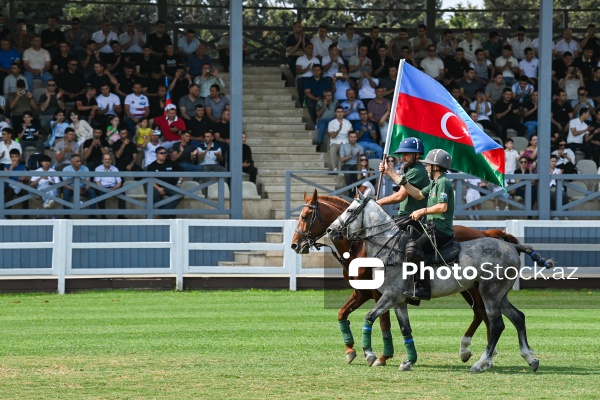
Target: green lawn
(278,344)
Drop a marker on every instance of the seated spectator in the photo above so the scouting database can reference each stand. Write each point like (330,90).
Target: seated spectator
(95,148)
(493,46)
(523,168)
(77,38)
(358,63)
(109,182)
(247,161)
(150,148)
(594,140)
(185,153)
(198,124)
(325,112)
(456,65)
(529,66)
(295,46)
(101,76)
(470,45)
(132,41)
(109,104)
(113,128)
(29,134)
(366,86)
(84,189)
(137,107)
(171,126)
(341,84)
(593,86)
(560,65)
(104,37)
(223,48)
(126,81)
(389,83)
(65,149)
(530,154)
(530,114)
(8,56)
(583,101)
(571,83)
(508,114)
(420,43)
(379,111)
(522,90)
(147,63)
(208,78)
(567,44)
(36,62)
(6,145)
(159,39)
(179,85)
(494,89)
(10,81)
(45,180)
(303,69)
(61,58)
(90,58)
(221,132)
(21,102)
(332,62)
(125,152)
(382,63)
(351,106)
(484,111)
(187,45)
(367,135)
(579,131)
(469,85)
(456,93)
(348,42)
(338,132)
(83,130)
(395,44)
(50,103)
(508,65)
(565,158)
(313,90)
(562,113)
(483,67)
(158,102)
(169,62)
(71,81)
(59,126)
(215,104)
(210,154)
(350,152)
(86,104)
(197,62)
(408,56)
(373,43)
(553,189)
(432,65)
(187,104)
(159,192)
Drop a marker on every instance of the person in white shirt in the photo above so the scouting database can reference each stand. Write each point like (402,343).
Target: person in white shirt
(508,65)
(529,65)
(578,130)
(332,62)
(520,43)
(6,145)
(470,45)
(321,43)
(137,107)
(109,181)
(132,41)
(108,103)
(150,148)
(535,43)
(511,157)
(432,65)
(348,42)
(338,132)
(567,43)
(36,62)
(187,45)
(45,180)
(104,36)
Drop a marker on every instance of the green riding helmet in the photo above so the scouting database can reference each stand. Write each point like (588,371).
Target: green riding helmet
(438,157)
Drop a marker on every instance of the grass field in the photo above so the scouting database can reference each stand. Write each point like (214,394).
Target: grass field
(278,344)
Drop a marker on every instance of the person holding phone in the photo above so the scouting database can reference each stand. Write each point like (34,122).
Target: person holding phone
(210,76)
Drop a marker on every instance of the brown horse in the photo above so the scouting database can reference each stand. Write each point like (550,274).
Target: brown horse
(318,213)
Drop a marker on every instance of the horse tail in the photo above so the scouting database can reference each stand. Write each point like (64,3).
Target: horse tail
(501,235)
(535,256)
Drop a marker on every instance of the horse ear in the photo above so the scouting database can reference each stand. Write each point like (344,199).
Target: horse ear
(306,199)
(364,195)
(314,197)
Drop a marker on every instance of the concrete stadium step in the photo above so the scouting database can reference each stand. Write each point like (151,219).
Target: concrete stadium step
(304,149)
(271,120)
(267,97)
(267,92)
(290,165)
(277,141)
(274,112)
(250,258)
(266,84)
(286,157)
(280,129)
(268,104)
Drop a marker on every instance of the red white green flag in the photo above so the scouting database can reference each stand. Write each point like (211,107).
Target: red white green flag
(426,110)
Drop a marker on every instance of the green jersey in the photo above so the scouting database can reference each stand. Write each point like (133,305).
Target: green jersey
(417,176)
(441,191)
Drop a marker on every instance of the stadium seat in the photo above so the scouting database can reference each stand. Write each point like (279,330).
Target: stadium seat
(374,163)
(497,140)
(520,143)
(213,191)
(135,192)
(190,186)
(575,194)
(511,133)
(249,191)
(587,167)
(37,93)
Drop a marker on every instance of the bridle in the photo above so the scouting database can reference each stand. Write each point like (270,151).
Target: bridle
(307,236)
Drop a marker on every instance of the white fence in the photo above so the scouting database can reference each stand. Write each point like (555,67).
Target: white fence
(556,239)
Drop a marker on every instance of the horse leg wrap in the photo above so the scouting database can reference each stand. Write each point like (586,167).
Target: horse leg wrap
(411,351)
(388,344)
(366,334)
(346,332)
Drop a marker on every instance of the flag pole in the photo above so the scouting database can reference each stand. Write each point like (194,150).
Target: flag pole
(390,127)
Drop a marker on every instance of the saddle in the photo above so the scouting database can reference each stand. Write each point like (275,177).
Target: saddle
(449,254)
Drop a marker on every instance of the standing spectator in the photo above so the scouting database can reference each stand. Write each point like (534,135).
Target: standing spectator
(77,38)
(492,47)
(314,88)
(10,81)
(420,43)
(22,37)
(109,182)
(325,112)
(331,62)
(185,153)
(520,43)
(45,180)
(104,37)
(210,154)
(348,42)
(187,45)
(382,63)
(125,152)
(338,132)
(508,114)
(108,104)
(132,41)
(529,66)
(29,133)
(367,135)
(373,43)
(321,43)
(83,130)
(379,111)
(567,44)
(553,189)
(432,65)
(470,45)
(198,124)
(84,189)
(159,39)
(170,61)
(52,36)
(483,67)
(578,133)
(159,192)
(171,126)
(561,113)
(303,67)
(71,82)
(50,103)
(86,104)
(508,65)
(223,48)
(66,148)
(6,145)
(197,62)
(20,102)
(36,61)
(95,148)
(247,161)
(511,157)
(350,152)
(494,89)
(395,44)
(137,107)
(208,78)
(215,104)
(447,46)
(187,104)
(295,46)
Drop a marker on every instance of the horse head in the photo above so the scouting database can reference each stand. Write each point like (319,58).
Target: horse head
(351,220)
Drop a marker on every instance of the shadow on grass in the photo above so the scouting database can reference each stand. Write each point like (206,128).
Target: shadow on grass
(514,370)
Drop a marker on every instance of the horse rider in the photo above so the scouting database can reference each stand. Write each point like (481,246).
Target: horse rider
(439,212)
(411,150)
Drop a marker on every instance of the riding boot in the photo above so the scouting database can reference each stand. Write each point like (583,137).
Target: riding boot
(422,291)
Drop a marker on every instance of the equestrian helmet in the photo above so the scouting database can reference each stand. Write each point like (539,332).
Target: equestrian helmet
(438,157)
(411,145)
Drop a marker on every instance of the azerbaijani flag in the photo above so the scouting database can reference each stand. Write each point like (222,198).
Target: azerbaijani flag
(426,110)
(168,99)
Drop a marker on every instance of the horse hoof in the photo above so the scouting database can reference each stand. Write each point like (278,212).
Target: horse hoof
(495,353)
(465,356)
(480,366)
(380,362)
(370,358)
(350,356)
(475,369)
(406,365)
(534,365)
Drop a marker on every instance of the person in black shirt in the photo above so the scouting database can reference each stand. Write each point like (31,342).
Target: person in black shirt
(247,161)
(125,152)
(30,135)
(163,165)
(94,149)
(169,62)
(222,134)
(147,63)
(71,81)
(125,82)
(508,114)
(185,153)
(101,77)
(562,113)
(158,40)
(199,124)
(86,104)
(115,61)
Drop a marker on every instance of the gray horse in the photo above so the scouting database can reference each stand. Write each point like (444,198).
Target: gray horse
(493,263)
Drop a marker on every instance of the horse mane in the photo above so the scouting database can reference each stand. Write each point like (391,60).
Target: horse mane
(337,202)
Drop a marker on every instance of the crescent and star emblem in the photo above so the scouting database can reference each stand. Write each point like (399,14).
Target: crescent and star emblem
(444,122)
